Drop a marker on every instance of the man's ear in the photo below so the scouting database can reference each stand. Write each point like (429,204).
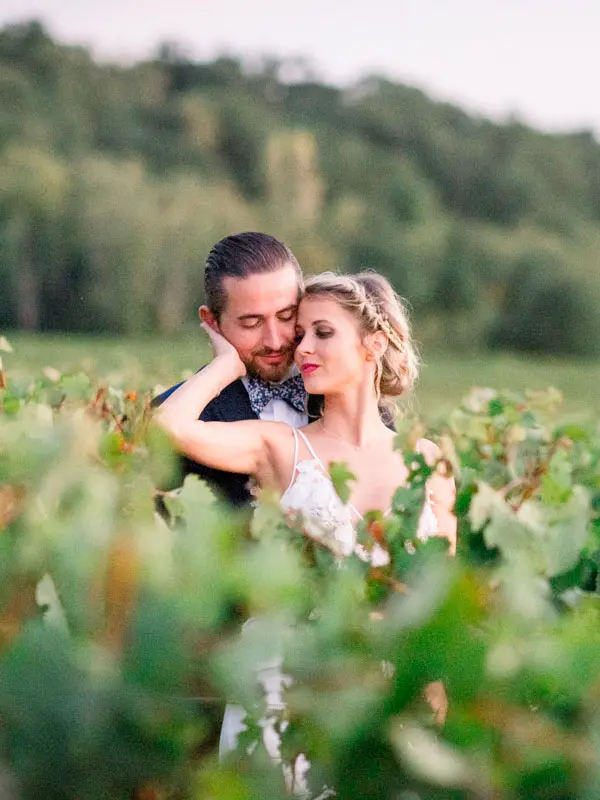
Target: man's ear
(207,316)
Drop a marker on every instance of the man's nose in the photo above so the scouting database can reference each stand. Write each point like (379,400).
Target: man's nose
(273,336)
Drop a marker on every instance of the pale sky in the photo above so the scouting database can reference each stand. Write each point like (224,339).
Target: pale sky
(536,59)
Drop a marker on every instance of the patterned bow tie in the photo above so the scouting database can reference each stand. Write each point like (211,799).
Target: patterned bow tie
(292,391)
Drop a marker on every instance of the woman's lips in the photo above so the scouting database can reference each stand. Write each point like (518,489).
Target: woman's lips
(308,368)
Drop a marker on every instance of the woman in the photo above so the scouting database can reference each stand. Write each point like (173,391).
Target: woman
(355,349)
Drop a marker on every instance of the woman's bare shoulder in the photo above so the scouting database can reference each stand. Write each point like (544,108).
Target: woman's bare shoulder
(276,431)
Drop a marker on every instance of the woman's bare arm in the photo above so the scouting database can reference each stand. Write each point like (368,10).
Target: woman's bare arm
(442,498)
(442,491)
(231,446)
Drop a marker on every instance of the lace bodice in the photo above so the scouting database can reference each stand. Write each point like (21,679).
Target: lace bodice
(312,497)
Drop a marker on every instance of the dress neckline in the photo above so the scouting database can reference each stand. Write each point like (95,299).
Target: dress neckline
(323,471)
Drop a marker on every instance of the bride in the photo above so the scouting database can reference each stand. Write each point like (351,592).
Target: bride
(354,348)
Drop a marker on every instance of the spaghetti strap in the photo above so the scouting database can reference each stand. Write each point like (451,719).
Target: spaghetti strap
(313,453)
(311,449)
(296,446)
(355,509)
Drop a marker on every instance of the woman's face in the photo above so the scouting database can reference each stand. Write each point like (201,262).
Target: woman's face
(330,353)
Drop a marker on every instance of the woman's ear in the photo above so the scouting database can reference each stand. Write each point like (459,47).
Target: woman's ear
(377,345)
(207,316)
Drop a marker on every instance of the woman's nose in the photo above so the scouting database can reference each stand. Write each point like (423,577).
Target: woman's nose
(304,344)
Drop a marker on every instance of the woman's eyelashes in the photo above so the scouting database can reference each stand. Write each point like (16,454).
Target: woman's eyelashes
(320,333)
(323,333)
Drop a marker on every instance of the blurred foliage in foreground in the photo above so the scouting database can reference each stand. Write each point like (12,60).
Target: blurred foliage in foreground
(120,630)
(115,181)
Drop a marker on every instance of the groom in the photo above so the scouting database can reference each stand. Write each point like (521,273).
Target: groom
(252,286)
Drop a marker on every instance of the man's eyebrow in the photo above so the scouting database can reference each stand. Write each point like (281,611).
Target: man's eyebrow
(293,307)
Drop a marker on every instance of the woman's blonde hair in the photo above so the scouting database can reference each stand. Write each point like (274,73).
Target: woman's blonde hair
(370,298)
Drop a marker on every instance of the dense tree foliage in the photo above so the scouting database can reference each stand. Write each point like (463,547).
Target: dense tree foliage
(114,182)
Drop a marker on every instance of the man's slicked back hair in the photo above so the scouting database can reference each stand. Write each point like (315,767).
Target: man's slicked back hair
(239,256)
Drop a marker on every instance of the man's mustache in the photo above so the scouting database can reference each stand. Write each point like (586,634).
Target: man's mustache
(283,351)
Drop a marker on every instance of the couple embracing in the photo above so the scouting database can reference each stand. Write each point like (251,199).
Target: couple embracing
(306,372)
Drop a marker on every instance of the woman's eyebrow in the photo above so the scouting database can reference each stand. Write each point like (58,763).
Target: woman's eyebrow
(321,322)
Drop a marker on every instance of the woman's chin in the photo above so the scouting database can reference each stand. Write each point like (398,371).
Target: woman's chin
(312,384)
(320,385)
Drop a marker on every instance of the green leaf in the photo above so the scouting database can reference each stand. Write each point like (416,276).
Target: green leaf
(557,483)
(341,477)
(496,407)
(529,420)
(485,503)
(505,531)
(464,496)
(77,387)
(566,532)
(576,433)
(10,405)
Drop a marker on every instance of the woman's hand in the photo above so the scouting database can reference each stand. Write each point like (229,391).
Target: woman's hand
(225,351)
(243,447)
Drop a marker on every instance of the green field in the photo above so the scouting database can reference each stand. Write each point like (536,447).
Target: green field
(445,378)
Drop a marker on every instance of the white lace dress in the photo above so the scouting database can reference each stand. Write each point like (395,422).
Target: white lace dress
(311,497)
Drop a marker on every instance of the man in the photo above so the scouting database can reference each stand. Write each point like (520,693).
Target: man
(252,285)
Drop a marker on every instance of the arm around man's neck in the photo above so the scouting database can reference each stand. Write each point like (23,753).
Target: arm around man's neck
(184,406)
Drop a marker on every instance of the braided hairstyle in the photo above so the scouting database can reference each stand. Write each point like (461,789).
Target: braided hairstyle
(370,298)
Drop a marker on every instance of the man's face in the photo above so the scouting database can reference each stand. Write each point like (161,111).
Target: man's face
(259,319)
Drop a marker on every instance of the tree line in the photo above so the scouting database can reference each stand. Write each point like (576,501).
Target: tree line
(115,181)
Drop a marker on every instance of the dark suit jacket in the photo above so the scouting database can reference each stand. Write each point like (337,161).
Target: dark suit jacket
(232,405)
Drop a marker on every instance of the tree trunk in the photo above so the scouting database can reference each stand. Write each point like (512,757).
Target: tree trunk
(28,295)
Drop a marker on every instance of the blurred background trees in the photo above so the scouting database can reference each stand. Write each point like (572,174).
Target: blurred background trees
(115,181)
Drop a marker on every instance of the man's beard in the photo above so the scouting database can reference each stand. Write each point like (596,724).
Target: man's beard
(270,372)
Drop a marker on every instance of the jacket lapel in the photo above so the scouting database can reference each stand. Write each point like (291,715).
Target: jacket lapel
(234,403)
